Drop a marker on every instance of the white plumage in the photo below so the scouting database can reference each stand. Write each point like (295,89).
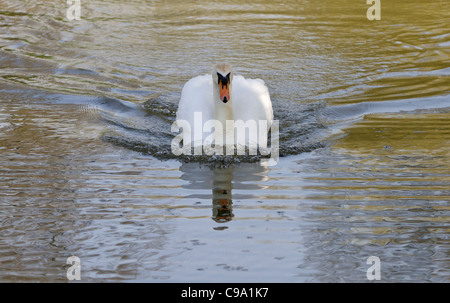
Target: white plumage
(248,99)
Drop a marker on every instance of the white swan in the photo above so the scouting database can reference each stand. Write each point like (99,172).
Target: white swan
(208,101)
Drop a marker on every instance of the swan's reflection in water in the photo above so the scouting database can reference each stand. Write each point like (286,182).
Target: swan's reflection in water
(221,190)
(221,181)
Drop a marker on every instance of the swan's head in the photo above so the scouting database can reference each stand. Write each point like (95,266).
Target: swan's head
(222,77)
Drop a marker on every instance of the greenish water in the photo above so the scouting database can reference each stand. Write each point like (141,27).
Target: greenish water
(86,168)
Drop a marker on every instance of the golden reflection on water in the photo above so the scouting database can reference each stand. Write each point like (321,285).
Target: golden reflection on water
(419,135)
(398,166)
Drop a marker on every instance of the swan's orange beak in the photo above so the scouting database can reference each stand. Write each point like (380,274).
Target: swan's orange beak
(224,91)
(224,87)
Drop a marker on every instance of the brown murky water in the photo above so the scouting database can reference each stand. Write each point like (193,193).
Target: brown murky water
(85,163)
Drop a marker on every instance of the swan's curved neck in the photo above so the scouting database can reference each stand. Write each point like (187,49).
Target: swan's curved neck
(222,111)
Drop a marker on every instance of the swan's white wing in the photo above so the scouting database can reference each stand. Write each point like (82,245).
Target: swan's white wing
(196,97)
(251,100)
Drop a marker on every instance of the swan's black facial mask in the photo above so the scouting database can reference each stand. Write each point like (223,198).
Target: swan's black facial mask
(223,80)
(224,87)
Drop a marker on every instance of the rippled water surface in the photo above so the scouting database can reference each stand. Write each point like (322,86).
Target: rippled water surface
(86,168)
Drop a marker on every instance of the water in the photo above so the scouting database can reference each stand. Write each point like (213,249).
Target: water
(86,168)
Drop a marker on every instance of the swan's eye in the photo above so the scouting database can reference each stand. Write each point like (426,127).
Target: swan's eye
(228,77)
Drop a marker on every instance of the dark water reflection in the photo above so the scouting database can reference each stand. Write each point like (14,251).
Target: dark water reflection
(86,168)
(223,181)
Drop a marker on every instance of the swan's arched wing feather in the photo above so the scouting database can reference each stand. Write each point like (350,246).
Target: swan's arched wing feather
(251,99)
(196,96)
